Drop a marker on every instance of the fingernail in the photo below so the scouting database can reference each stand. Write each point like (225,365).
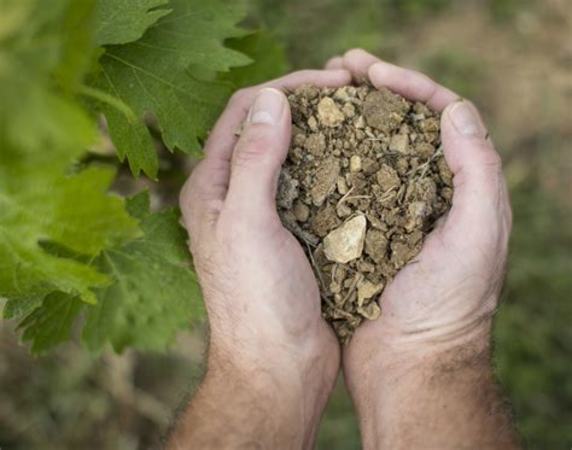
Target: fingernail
(466,121)
(268,107)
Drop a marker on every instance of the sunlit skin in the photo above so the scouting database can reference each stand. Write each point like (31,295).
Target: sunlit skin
(273,361)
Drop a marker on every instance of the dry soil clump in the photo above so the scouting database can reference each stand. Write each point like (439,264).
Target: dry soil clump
(364,182)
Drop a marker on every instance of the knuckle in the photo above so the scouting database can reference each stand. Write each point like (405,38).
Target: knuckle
(354,52)
(301,74)
(241,96)
(491,159)
(252,149)
(486,156)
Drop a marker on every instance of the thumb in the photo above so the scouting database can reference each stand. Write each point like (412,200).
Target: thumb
(480,207)
(259,154)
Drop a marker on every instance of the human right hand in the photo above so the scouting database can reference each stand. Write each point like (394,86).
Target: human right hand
(437,312)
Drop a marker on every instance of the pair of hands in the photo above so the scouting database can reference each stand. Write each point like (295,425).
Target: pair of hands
(261,296)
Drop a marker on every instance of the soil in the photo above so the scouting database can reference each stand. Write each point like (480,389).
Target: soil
(364,181)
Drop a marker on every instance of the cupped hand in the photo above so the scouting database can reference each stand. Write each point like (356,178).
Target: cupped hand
(447,296)
(260,293)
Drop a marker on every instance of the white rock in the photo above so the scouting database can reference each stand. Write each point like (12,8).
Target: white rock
(355,163)
(399,143)
(366,290)
(329,113)
(345,243)
(371,311)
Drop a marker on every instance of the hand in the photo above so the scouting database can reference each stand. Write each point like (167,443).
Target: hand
(260,293)
(437,311)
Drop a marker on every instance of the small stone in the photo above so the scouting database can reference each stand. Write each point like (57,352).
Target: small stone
(345,93)
(335,287)
(308,91)
(342,186)
(401,254)
(402,166)
(429,125)
(355,163)
(343,210)
(325,180)
(366,290)
(418,211)
(325,220)
(345,243)
(360,123)
(301,211)
(388,178)
(369,166)
(424,150)
(370,312)
(447,194)
(376,245)
(329,113)
(399,143)
(365,266)
(349,110)
(313,123)
(315,143)
(384,110)
(287,190)
(444,172)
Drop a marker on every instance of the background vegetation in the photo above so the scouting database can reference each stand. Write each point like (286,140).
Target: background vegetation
(514,59)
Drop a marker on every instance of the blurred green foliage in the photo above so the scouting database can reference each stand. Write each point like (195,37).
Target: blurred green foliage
(533,332)
(533,335)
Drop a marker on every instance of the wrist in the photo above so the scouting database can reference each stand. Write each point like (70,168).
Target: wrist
(399,377)
(383,352)
(291,383)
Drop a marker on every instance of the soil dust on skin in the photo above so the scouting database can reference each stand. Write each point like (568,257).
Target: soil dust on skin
(364,181)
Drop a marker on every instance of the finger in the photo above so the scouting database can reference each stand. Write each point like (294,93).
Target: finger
(202,195)
(204,192)
(409,83)
(358,62)
(337,62)
(481,210)
(258,156)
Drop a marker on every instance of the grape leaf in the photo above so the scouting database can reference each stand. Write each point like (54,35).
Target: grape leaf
(38,204)
(39,46)
(158,74)
(51,323)
(123,21)
(155,292)
(268,56)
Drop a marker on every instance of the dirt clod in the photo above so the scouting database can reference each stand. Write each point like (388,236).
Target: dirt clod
(365,180)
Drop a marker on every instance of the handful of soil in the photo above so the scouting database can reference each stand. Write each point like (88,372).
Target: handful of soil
(363,183)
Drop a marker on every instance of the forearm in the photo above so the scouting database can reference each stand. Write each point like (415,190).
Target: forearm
(446,398)
(257,408)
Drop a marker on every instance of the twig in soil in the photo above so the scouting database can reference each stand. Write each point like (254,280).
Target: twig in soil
(316,268)
(425,166)
(357,278)
(356,197)
(346,195)
(385,195)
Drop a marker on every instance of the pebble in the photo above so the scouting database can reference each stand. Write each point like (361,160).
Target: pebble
(345,243)
(329,113)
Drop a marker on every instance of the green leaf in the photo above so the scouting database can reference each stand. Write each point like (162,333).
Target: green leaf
(38,204)
(268,55)
(44,130)
(43,51)
(123,21)
(155,292)
(51,323)
(158,74)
